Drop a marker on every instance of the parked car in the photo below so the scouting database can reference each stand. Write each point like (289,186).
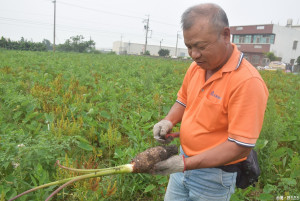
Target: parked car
(277,65)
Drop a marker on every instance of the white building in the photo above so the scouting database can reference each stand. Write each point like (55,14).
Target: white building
(255,40)
(135,48)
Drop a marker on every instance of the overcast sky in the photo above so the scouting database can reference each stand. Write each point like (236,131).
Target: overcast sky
(112,20)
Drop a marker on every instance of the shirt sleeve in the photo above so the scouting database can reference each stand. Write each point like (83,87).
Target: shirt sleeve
(182,93)
(246,110)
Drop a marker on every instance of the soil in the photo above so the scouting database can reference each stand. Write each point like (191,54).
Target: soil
(145,161)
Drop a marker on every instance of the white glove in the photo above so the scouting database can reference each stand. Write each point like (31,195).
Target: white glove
(161,129)
(169,166)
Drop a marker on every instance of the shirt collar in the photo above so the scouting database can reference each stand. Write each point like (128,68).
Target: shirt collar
(234,61)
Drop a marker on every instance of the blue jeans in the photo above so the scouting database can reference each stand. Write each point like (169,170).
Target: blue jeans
(206,184)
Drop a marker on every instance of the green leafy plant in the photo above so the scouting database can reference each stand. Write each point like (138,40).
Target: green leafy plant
(99,110)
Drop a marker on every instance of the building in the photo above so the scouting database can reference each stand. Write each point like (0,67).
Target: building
(138,49)
(255,40)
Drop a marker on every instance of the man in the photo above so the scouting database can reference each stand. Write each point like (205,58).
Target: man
(220,105)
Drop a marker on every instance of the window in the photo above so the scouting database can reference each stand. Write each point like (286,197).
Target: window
(236,38)
(295,45)
(242,39)
(255,59)
(265,39)
(248,38)
(254,39)
(272,39)
(257,39)
(260,27)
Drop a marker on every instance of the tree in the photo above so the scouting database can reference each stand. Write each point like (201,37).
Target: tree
(48,44)
(3,42)
(23,44)
(147,52)
(271,56)
(163,52)
(76,44)
(298,60)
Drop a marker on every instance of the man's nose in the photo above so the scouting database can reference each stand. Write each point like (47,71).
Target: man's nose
(195,53)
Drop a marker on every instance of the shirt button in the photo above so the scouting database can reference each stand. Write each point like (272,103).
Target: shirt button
(202,90)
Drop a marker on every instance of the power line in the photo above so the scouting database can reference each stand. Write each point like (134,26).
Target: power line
(112,13)
(165,23)
(97,10)
(66,27)
(68,19)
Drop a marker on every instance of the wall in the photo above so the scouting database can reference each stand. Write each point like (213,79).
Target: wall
(283,46)
(252,29)
(135,48)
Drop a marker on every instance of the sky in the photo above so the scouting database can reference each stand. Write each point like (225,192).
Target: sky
(123,20)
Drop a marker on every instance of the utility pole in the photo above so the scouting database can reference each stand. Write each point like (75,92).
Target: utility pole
(129,47)
(160,44)
(176,44)
(121,45)
(54,1)
(146,27)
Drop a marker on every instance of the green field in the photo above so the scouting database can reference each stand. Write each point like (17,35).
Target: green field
(98,110)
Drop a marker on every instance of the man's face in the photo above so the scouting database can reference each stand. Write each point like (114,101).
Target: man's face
(206,46)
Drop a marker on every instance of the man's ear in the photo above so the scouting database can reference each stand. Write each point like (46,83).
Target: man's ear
(226,34)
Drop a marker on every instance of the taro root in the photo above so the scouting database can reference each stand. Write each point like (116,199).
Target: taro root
(145,161)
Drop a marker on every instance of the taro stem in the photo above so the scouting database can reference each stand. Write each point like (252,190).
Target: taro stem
(80,170)
(61,187)
(128,168)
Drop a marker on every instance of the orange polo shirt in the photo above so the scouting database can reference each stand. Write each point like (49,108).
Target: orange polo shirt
(230,105)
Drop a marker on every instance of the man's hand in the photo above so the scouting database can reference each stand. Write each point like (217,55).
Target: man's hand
(169,166)
(161,129)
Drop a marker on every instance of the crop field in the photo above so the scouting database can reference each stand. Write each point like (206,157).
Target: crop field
(98,110)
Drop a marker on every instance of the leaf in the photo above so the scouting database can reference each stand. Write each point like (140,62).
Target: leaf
(85,146)
(10,178)
(6,164)
(266,196)
(288,138)
(105,114)
(17,115)
(289,181)
(33,180)
(82,139)
(49,117)
(149,188)
(30,116)
(30,108)
(280,152)
(12,193)
(260,144)
(290,152)
(146,116)
(163,180)
(269,188)
(166,109)
(284,162)
(4,189)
